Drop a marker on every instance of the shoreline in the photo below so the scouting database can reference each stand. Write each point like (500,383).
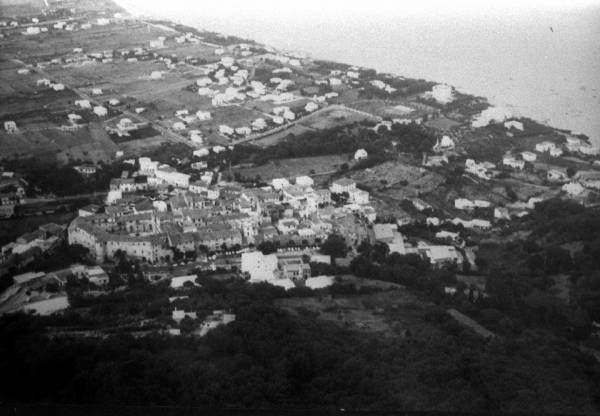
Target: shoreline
(517,110)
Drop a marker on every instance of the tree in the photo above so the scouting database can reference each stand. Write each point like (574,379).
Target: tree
(335,246)
(267,247)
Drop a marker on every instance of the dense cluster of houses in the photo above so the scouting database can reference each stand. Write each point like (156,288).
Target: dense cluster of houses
(190,215)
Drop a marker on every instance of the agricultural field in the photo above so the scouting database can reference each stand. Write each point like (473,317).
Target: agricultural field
(442,123)
(54,43)
(135,148)
(271,139)
(199,51)
(331,117)
(290,168)
(50,142)
(393,313)
(267,106)
(233,116)
(376,107)
(20,8)
(399,177)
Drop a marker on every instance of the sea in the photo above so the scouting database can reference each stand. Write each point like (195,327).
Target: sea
(542,63)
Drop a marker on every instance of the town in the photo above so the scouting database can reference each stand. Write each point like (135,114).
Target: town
(143,156)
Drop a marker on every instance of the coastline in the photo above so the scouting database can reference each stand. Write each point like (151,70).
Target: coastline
(565,113)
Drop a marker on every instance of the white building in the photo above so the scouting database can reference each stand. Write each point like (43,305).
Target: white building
(226,130)
(10,126)
(201,152)
(227,61)
(435,221)
(513,162)
(319,282)
(342,185)
(463,203)
(84,104)
(203,115)
(180,315)
(96,275)
(513,124)
(280,183)
(360,154)
(529,156)
(545,146)
(439,255)
(358,196)
(573,188)
(501,213)
(442,93)
(311,106)
(243,131)
(32,30)
(178,126)
(259,124)
(304,181)
(489,115)
(170,176)
(477,169)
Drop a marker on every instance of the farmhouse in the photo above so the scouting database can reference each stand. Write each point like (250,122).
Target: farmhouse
(10,126)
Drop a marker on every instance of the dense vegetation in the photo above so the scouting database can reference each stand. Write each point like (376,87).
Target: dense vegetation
(522,273)
(46,178)
(268,358)
(381,145)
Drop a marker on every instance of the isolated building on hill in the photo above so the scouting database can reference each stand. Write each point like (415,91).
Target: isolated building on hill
(360,154)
